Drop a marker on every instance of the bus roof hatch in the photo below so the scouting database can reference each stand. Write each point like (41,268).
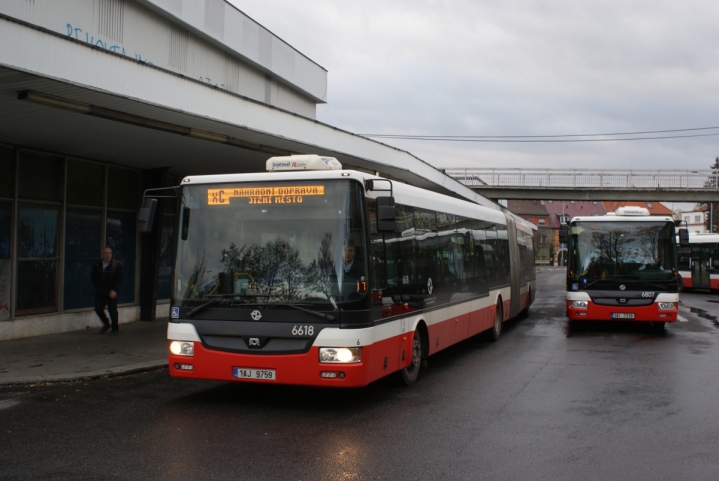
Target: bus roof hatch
(631,210)
(302,162)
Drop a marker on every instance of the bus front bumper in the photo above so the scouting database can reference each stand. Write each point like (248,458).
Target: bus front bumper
(594,312)
(298,369)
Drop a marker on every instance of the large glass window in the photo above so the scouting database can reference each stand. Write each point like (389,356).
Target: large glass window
(7,172)
(167,250)
(82,249)
(123,188)
(37,260)
(280,242)
(85,183)
(5,262)
(40,176)
(121,238)
(168,242)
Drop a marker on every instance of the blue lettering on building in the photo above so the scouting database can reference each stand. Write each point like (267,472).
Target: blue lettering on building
(76,33)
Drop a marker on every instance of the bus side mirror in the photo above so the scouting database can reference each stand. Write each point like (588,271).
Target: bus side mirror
(563,234)
(683,237)
(386,214)
(146,216)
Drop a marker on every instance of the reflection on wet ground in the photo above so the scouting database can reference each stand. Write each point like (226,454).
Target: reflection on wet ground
(703,313)
(578,328)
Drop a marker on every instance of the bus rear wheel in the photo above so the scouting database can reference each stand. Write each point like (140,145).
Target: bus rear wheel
(497,328)
(410,373)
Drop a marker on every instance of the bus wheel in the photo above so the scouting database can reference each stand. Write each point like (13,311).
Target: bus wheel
(659,328)
(497,328)
(410,373)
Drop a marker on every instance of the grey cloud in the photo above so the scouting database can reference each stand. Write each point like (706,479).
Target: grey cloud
(515,68)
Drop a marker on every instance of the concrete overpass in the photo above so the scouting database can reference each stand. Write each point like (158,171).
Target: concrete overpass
(592,184)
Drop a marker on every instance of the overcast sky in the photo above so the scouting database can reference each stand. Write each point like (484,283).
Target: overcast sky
(514,67)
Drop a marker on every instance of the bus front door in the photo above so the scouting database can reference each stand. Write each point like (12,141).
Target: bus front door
(700,267)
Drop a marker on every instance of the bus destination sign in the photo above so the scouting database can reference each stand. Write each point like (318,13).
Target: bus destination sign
(291,194)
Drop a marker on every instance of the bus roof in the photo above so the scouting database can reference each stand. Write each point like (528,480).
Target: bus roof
(621,218)
(704,238)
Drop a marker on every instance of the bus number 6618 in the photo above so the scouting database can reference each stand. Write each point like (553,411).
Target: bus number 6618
(303,330)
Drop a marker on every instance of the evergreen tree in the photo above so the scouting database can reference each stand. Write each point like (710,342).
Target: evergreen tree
(712,217)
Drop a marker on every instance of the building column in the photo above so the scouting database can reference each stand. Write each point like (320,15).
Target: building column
(150,249)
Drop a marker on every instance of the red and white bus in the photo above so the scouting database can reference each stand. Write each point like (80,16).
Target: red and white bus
(313,275)
(622,266)
(699,262)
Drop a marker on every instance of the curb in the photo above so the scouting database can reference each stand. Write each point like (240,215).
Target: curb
(90,375)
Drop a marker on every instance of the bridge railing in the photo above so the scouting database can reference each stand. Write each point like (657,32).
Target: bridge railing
(587,178)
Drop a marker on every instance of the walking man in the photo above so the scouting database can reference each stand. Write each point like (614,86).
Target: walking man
(107,279)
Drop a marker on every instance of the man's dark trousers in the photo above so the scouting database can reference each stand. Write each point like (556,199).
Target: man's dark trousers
(100,302)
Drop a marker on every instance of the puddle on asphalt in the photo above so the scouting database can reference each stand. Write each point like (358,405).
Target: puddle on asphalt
(611,328)
(704,314)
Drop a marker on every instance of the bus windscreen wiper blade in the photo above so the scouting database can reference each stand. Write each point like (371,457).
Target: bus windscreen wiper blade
(326,317)
(612,277)
(207,304)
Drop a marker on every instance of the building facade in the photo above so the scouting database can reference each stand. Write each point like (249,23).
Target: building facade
(696,220)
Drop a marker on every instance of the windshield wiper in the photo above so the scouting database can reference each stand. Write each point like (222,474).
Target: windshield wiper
(216,298)
(204,306)
(326,317)
(612,277)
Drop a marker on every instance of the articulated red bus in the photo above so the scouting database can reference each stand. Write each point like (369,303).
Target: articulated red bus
(335,277)
(699,262)
(622,266)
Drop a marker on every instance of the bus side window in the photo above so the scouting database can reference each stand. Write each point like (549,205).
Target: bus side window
(685,256)
(377,260)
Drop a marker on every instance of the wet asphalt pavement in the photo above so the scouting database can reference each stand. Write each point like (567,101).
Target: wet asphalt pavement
(602,401)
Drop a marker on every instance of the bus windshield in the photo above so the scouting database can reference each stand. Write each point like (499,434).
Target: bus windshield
(272,243)
(622,251)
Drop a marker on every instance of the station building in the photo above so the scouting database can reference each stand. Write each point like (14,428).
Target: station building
(102,99)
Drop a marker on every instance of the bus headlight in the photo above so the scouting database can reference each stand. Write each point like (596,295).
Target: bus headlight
(341,354)
(579,304)
(667,306)
(182,348)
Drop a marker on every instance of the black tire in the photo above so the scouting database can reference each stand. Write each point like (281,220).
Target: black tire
(410,373)
(496,330)
(659,327)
